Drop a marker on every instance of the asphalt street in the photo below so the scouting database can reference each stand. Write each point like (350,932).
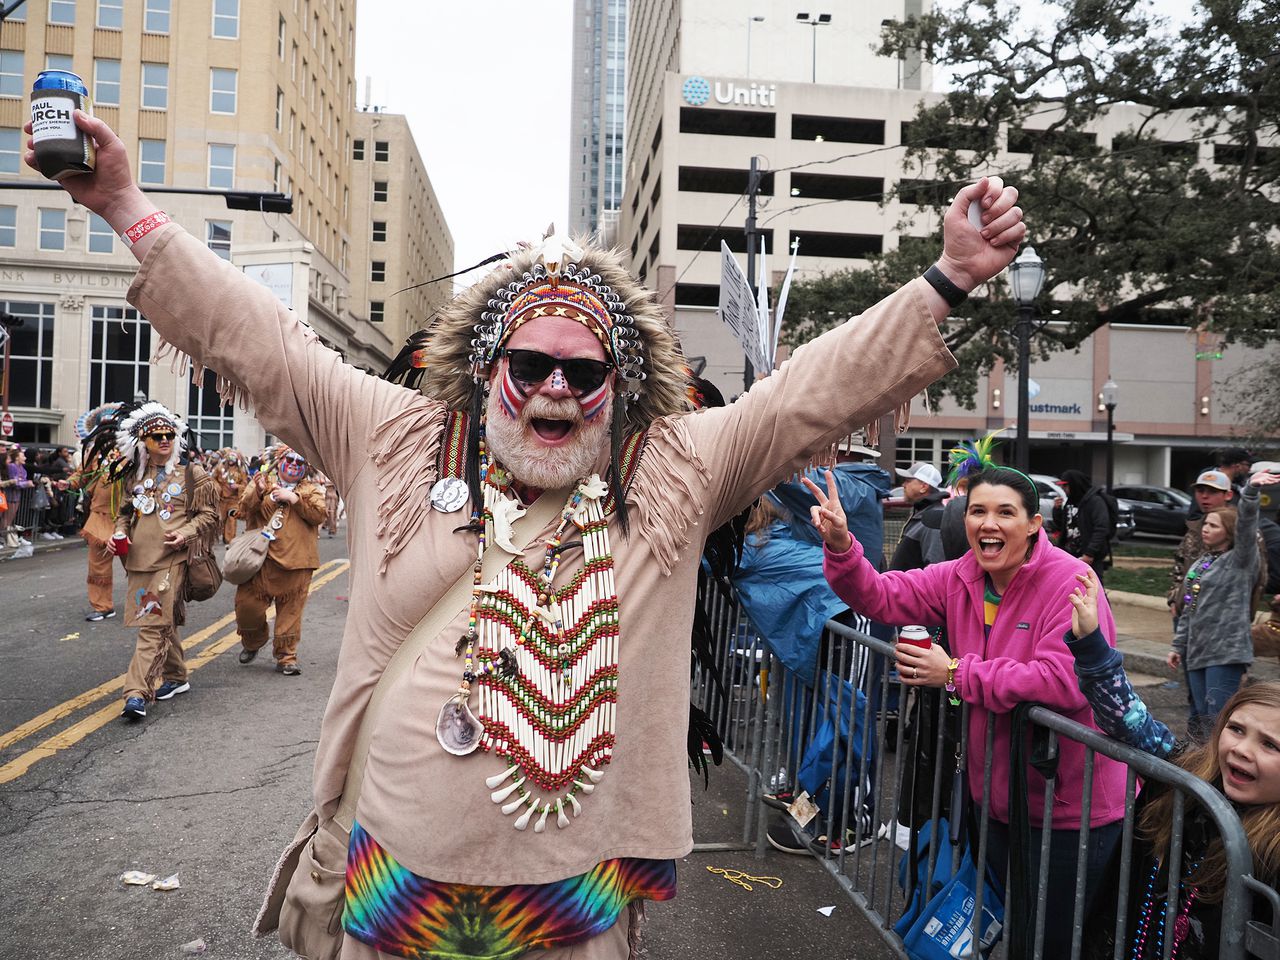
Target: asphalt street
(214,782)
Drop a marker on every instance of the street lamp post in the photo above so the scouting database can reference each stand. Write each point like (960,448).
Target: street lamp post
(1026,278)
(750,21)
(814,20)
(1110,394)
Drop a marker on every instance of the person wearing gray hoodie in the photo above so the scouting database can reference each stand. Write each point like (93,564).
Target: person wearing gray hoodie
(1212,635)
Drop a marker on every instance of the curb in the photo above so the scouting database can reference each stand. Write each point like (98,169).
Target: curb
(1138,600)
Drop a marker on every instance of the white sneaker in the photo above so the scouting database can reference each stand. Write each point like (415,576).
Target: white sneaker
(47,536)
(57,535)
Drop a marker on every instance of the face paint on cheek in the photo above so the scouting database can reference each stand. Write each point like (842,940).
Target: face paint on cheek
(512,394)
(594,402)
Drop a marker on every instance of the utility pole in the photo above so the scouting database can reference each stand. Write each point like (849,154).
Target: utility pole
(753,187)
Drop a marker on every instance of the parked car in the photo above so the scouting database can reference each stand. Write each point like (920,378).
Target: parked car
(1157,510)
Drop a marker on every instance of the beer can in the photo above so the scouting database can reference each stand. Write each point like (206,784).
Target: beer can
(62,149)
(122,544)
(916,636)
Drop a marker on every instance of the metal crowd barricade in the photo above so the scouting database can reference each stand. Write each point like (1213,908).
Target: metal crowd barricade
(30,522)
(769,716)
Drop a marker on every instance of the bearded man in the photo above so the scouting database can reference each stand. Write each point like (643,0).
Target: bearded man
(554,699)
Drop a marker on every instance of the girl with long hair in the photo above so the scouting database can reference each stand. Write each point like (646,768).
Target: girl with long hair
(1004,605)
(1241,758)
(1211,635)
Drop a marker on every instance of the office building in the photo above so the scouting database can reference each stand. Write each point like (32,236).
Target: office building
(597,115)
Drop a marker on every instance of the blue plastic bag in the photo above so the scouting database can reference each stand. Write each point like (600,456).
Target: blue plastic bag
(944,928)
(924,889)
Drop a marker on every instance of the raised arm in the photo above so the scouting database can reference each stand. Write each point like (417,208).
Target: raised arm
(858,371)
(1117,708)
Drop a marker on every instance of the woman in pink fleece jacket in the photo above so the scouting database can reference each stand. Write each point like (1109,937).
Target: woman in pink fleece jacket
(1006,608)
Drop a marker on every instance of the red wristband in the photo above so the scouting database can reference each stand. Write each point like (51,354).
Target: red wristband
(144,226)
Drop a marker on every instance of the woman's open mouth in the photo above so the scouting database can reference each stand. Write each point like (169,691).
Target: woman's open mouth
(551,431)
(989,547)
(1239,776)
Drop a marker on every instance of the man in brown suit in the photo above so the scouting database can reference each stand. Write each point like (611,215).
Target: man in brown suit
(171,503)
(99,524)
(283,499)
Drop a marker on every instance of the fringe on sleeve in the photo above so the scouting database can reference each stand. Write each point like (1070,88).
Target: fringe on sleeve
(405,451)
(668,490)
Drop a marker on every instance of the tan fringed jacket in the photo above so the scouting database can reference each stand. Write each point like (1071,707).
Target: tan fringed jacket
(380,443)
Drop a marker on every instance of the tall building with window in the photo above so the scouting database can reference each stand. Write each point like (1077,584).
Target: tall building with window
(227,95)
(598,115)
(708,88)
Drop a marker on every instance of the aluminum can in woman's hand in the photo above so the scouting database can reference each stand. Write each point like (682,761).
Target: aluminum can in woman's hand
(62,149)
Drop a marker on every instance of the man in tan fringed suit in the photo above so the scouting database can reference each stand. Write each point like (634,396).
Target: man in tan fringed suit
(285,577)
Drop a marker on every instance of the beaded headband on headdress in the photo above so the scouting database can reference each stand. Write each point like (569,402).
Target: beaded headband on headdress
(553,288)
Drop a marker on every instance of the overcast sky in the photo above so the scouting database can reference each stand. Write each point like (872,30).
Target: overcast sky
(485,86)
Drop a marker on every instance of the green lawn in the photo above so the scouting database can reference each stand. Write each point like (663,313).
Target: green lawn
(1127,548)
(1152,581)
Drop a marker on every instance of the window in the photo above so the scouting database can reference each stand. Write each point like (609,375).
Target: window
(31,354)
(226,19)
(8,226)
(101,236)
(698,294)
(222,90)
(11,84)
(19,15)
(838,246)
(379,190)
(719,180)
(10,149)
(53,229)
(275,176)
(217,237)
(826,186)
(381,151)
(151,161)
(155,86)
(293,125)
(222,165)
(62,11)
(119,355)
(727,123)
(293,61)
(280,30)
(106,83)
(155,16)
(59,61)
(377,270)
(837,129)
(708,238)
(212,422)
(279,109)
(377,311)
(357,149)
(111,14)
(909,450)
(379,231)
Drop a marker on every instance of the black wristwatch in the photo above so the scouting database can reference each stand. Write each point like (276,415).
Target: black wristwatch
(946,289)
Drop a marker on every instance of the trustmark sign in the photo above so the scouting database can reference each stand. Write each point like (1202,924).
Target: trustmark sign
(699,90)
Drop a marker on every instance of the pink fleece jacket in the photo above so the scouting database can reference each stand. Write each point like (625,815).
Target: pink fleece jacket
(1025,659)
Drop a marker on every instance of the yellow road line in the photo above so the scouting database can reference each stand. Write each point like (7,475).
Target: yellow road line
(95,721)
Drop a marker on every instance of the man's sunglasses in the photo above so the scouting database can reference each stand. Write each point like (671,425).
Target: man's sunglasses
(161,436)
(533,366)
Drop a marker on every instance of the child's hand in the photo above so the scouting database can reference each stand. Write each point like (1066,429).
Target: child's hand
(1084,605)
(828,516)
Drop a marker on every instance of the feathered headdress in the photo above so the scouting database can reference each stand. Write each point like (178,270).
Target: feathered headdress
(971,456)
(271,457)
(575,279)
(123,432)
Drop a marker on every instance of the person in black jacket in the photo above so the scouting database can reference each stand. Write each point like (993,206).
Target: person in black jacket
(1085,522)
(921,542)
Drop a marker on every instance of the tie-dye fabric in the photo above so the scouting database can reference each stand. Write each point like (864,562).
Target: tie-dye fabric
(397,912)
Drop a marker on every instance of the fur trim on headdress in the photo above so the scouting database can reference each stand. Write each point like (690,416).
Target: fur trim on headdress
(660,383)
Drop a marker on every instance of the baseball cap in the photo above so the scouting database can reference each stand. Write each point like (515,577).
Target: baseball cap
(1213,478)
(924,472)
(1270,466)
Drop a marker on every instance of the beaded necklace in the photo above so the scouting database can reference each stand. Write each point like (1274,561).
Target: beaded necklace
(1181,923)
(543,661)
(1193,584)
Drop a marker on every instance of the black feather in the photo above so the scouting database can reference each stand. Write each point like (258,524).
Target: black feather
(703,731)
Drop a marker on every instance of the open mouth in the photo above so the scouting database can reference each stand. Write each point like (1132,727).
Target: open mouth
(1238,775)
(990,547)
(551,430)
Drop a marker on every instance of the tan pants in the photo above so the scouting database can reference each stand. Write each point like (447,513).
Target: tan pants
(99,579)
(331,511)
(157,654)
(288,590)
(610,945)
(228,521)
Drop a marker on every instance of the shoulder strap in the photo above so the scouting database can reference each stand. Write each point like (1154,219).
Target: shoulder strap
(430,627)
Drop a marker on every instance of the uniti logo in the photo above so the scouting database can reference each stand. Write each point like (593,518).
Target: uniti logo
(698,90)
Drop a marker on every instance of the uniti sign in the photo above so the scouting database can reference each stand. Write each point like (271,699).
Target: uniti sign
(699,90)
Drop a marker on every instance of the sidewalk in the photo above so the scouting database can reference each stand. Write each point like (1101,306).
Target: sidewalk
(1144,632)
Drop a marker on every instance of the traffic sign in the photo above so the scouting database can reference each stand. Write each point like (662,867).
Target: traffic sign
(6,424)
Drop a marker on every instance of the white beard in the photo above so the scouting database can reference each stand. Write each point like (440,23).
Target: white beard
(514,444)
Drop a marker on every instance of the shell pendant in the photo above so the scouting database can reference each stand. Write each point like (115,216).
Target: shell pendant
(457,728)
